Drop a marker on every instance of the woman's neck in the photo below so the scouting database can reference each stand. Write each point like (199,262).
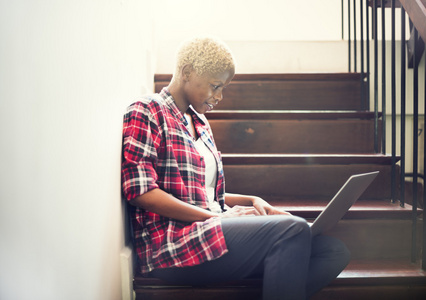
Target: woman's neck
(175,89)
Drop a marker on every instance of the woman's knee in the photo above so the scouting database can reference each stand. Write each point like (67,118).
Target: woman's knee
(293,226)
(300,224)
(327,245)
(337,246)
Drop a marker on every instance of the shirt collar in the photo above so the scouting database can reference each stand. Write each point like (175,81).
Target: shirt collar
(200,117)
(170,102)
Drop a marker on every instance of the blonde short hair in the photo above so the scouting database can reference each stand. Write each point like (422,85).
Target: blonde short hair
(206,55)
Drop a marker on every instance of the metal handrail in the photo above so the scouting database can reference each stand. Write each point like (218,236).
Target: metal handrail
(380,146)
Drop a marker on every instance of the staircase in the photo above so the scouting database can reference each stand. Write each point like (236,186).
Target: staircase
(294,139)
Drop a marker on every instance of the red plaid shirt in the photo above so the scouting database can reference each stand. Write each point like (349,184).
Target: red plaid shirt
(158,152)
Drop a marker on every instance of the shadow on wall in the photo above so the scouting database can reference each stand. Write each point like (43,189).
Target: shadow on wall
(127,255)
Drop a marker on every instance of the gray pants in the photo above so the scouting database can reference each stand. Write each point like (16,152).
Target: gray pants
(279,248)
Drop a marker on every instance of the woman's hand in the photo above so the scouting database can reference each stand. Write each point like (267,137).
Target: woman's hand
(264,208)
(244,205)
(239,211)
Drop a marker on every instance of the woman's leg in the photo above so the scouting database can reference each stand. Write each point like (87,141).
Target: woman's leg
(277,246)
(329,257)
(286,267)
(280,248)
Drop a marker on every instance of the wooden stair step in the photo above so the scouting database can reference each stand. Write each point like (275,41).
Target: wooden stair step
(369,229)
(371,280)
(294,136)
(362,209)
(280,76)
(381,272)
(280,158)
(289,115)
(291,181)
(378,238)
(379,279)
(140,280)
(156,289)
(357,272)
(165,78)
(334,91)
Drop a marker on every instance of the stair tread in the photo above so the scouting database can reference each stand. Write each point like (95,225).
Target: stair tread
(362,209)
(318,91)
(280,76)
(381,271)
(280,158)
(305,204)
(289,114)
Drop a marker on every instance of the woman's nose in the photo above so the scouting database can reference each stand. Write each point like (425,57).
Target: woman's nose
(218,96)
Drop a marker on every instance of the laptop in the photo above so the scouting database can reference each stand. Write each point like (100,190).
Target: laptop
(342,201)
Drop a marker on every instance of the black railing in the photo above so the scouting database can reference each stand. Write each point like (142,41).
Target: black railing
(363,18)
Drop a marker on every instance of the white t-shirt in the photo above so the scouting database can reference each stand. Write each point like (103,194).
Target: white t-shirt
(210,174)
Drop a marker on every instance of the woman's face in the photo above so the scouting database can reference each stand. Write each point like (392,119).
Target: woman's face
(205,92)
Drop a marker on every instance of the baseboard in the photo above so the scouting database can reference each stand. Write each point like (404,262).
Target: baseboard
(127,271)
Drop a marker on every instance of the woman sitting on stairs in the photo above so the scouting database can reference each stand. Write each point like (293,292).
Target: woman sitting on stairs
(172,175)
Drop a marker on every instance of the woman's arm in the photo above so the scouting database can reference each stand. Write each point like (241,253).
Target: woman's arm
(261,206)
(164,204)
(237,199)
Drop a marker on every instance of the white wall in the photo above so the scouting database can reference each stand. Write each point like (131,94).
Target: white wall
(68,69)
(249,20)
(294,33)
(272,56)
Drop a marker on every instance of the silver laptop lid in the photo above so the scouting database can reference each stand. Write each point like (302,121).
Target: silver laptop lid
(342,201)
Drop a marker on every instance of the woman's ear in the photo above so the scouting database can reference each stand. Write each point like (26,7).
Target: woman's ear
(186,72)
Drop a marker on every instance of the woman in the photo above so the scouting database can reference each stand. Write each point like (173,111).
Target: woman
(173,176)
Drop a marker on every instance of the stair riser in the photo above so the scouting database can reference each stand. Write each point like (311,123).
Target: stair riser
(297,95)
(385,292)
(199,293)
(303,181)
(294,136)
(377,239)
(290,95)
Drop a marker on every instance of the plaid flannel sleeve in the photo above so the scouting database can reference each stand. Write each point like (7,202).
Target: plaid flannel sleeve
(140,134)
